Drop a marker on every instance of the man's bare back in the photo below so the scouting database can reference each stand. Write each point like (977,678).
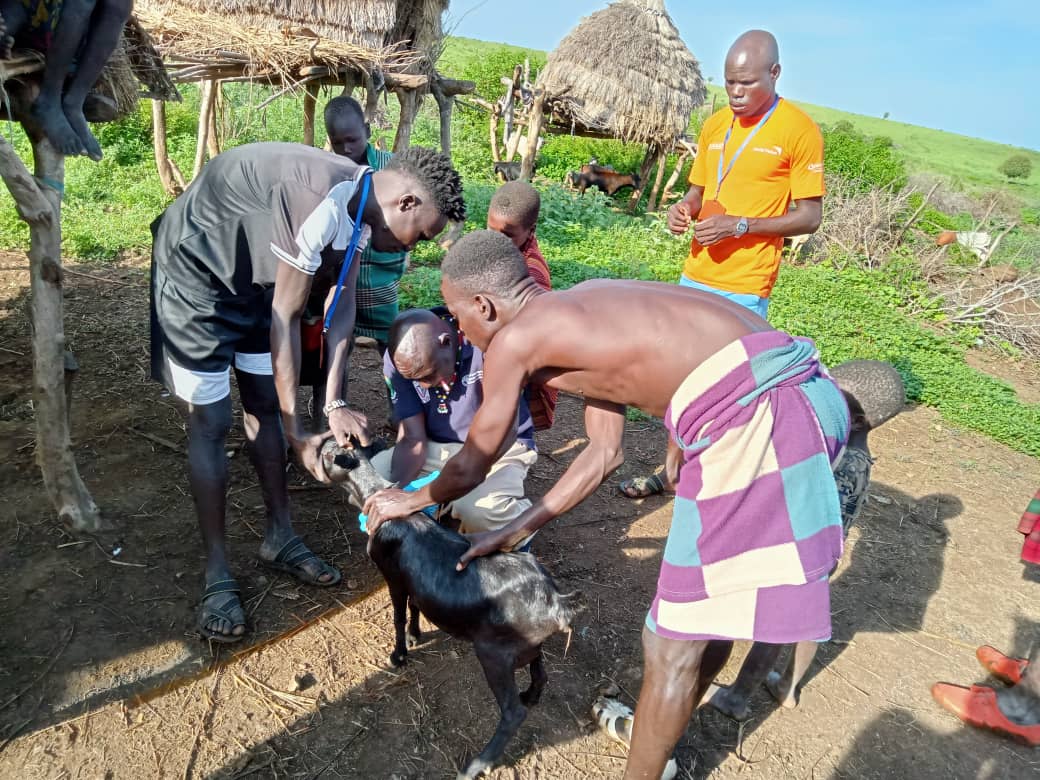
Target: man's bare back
(626,342)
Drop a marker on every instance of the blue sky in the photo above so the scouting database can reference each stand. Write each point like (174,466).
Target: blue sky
(969,68)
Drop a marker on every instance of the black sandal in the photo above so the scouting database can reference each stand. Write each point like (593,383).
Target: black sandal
(290,560)
(224,611)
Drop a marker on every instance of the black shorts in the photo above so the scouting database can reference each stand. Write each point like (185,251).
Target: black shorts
(196,338)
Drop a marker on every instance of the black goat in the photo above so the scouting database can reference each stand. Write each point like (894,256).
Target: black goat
(507,171)
(506,604)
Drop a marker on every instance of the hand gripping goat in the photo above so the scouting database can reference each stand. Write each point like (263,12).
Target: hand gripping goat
(507,605)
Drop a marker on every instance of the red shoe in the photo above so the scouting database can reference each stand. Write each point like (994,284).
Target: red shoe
(977,706)
(1006,669)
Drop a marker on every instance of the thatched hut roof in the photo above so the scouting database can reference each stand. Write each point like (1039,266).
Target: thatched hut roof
(625,72)
(279,38)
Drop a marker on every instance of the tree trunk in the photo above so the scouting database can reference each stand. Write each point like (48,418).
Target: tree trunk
(644,172)
(662,160)
(209,96)
(213,134)
(310,101)
(169,174)
(41,208)
(409,101)
(371,98)
(445,103)
(534,129)
(674,178)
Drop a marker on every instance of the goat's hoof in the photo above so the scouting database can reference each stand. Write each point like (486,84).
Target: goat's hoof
(530,697)
(474,769)
(399,658)
(414,640)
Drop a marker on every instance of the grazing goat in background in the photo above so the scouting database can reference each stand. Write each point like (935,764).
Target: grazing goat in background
(604,177)
(506,604)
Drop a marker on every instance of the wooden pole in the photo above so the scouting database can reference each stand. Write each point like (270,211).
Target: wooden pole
(662,160)
(208,98)
(40,206)
(310,101)
(644,173)
(496,111)
(212,133)
(169,174)
(534,129)
(445,103)
(371,98)
(674,178)
(409,101)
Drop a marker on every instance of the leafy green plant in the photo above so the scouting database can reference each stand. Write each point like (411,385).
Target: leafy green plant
(868,161)
(1017,166)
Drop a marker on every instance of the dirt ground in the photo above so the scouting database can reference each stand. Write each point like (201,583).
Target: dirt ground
(101,674)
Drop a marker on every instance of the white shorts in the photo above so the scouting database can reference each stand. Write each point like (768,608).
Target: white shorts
(208,387)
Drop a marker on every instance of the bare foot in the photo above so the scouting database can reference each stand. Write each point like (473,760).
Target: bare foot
(775,685)
(78,122)
(729,703)
(51,120)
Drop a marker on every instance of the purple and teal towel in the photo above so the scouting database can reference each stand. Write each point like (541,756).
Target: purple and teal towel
(757,523)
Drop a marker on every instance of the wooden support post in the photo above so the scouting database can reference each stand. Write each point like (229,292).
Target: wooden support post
(213,134)
(534,129)
(409,101)
(644,174)
(496,111)
(674,178)
(445,104)
(662,160)
(169,174)
(371,98)
(310,101)
(41,208)
(209,96)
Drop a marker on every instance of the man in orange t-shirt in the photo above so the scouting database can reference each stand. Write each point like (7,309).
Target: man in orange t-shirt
(757,156)
(757,178)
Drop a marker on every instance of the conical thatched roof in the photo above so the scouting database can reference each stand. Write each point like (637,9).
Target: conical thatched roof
(624,71)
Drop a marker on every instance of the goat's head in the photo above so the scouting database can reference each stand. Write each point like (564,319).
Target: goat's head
(352,469)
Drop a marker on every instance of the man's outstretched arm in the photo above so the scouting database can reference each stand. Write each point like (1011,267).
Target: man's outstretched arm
(492,432)
(605,426)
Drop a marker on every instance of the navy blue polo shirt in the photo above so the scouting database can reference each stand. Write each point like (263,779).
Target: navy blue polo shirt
(450,421)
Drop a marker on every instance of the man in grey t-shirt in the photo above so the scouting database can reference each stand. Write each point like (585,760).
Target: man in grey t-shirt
(234,261)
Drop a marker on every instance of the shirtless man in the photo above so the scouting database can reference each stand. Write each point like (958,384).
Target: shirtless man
(754,429)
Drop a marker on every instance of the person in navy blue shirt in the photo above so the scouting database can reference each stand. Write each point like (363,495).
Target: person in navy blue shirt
(436,381)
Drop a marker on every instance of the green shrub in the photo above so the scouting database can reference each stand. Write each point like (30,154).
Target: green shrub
(1017,166)
(867,161)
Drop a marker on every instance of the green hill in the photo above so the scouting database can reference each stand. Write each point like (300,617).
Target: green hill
(971,163)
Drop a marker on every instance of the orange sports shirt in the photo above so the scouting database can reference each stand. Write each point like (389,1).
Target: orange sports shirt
(783,162)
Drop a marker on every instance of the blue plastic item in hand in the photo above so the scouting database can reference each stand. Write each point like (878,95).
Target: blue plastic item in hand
(411,487)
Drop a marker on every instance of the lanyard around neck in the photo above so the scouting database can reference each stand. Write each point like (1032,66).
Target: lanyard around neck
(721,176)
(349,257)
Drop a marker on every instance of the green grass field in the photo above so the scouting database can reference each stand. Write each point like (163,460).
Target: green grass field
(969,163)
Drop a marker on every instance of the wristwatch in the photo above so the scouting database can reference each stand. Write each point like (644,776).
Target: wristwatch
(741,227)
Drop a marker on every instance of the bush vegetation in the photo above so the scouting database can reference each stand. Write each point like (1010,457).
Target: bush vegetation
(884,312)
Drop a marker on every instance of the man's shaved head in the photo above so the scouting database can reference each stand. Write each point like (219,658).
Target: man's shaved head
(416,341)
(752,68)
(756,46)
